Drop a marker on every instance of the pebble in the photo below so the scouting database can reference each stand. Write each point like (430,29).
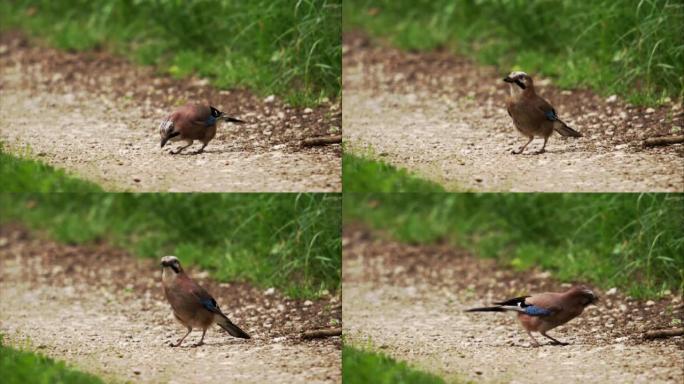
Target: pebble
(650,110)
(611,291)
(611,99)
(269,99)
(650,303)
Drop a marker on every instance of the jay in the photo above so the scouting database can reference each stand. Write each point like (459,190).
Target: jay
(531,114)
(192,306)
(545,311)
(193,122)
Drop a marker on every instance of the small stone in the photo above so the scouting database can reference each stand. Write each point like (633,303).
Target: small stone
(269,291)
(611,99)
(308,303)
(650,303)
(478,179)
(269,99)
(137,371)
(308,110)
(650,110)
(136,179)
(611,291)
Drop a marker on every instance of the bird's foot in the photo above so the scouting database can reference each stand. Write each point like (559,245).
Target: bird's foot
(560,343)
(201,343)
(174,345)
(539,152)
(197,152)
(514,152)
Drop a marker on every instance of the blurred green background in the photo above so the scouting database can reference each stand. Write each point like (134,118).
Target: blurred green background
(289,48)
(287,241)
(634,48)
(631,241)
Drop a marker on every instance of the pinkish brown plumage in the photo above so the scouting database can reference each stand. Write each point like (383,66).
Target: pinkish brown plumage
(192,122)
(192,305)
(545,311)
(532,115)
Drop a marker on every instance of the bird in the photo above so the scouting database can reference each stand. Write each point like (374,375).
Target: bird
(193,122)
(192,305)
(532,115)
(545,311)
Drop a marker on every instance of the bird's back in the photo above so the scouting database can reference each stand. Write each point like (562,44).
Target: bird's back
(194,121)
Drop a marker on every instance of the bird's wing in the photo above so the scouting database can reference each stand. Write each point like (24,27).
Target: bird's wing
(546,108)
(518,301)
(201,295)
(543,304)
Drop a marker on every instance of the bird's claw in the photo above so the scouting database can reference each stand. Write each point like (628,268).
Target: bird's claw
(539,152)
(198,344)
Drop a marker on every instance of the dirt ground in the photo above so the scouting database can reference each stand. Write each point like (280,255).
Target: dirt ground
(444,118)
(408,302)
(103,311)
(97,116)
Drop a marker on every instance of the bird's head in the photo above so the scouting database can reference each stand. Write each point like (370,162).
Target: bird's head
(521,79)
(215,113)
(584,295)
(171,263)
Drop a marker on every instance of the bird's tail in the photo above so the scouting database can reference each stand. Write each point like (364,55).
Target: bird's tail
(233,120)
(487,309)
(231,328)
(564,130)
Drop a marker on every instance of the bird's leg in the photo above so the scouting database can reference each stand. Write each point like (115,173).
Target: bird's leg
(534,341)
(201,149)
(542,150)
(181,148)
(555,342)
(182,338)
(201,342)
(519,151)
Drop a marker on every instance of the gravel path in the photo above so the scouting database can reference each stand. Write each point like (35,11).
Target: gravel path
(104,312)
(408,302)
(445,119)
(97,116)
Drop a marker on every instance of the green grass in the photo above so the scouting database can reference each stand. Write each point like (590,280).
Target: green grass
(631,241)
(22,367)
(360,174)
(290,48)
(20,174)
(288,241)
(634,48)
(362,366)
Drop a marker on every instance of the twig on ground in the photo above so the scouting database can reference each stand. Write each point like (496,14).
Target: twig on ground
(663,333)
(322,333)
(321,140)
(663,140)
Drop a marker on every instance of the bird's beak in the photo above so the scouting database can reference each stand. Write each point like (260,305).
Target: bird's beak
(163,142)
(516,81)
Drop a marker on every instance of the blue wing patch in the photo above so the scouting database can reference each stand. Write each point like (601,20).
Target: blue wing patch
(209,304)
(211,120)
(551,115)
(536,311)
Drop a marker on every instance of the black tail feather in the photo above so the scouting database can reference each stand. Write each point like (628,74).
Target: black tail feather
(233,120)
(486,309)
(231,328)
